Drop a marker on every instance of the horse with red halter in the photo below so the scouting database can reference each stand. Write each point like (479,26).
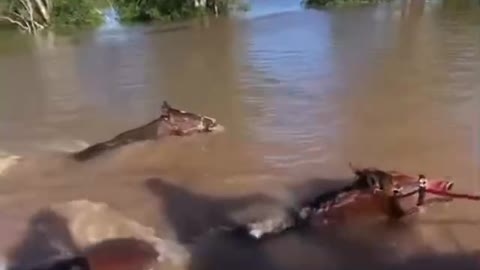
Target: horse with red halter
(373,195)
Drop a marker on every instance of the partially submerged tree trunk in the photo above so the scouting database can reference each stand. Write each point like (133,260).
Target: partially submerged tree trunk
(43,10)
(29,15)
(200,3)
(212,5)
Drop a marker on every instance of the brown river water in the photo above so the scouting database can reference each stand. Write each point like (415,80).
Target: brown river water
(301,93)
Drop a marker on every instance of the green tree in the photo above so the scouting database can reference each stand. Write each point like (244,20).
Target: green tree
(78,13)
(33,15)
(167,10)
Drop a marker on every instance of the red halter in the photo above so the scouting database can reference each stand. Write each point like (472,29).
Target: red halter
(422,191)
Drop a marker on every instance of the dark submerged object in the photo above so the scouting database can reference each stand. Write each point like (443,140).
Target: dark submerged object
(74,263)
(373,195)
(114,254)
(172,122)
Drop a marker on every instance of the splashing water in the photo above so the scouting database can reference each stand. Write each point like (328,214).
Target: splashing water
(7,161)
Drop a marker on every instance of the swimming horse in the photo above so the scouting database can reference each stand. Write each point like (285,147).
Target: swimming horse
(122,255)
(373,195)
(172,122)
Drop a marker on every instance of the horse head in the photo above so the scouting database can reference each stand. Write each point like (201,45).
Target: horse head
(187,123)
(377,193)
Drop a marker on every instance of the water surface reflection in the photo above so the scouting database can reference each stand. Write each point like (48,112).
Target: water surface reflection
(301,92)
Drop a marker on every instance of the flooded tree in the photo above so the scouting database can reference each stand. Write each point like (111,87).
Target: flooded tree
(28,15)
(34,15)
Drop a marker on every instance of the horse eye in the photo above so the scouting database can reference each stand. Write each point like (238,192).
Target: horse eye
(371,181)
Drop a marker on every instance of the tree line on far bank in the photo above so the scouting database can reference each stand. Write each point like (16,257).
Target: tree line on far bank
(34,15)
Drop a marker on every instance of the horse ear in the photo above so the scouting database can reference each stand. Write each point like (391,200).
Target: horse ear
(165,108)
(354,168)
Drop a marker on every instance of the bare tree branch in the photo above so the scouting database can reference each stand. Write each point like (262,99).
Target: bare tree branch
(29,15)
(43,11)
(13,21)
(24,4)
(48,5)
(20,17)
(38,26)
(32,20)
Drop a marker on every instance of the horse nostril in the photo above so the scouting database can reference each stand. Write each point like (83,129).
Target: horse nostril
(449,186)
(211,126)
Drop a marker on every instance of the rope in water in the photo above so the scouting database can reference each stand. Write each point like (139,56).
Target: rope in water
(454,195)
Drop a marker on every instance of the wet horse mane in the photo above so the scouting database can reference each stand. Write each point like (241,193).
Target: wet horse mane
(365,179)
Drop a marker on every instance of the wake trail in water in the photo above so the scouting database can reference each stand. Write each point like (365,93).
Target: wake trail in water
(68,146)
(7,160)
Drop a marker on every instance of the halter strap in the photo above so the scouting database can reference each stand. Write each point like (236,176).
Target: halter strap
(421,191)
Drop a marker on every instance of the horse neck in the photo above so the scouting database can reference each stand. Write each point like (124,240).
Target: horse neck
(326,197)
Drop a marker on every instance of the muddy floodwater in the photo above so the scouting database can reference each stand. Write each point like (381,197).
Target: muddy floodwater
(301,94)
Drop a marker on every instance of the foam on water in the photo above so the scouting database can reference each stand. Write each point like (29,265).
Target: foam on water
(93,222)
(89,224)
(7,160)
(64,145)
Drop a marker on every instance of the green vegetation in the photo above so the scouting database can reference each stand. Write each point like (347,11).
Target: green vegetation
(338,3)
(34,15)
(77,13)
(147,10)
(170,10)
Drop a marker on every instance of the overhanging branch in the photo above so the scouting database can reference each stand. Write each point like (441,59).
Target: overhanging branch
(43,11)
(13,21)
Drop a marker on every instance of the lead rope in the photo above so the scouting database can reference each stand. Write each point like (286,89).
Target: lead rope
(476,146)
